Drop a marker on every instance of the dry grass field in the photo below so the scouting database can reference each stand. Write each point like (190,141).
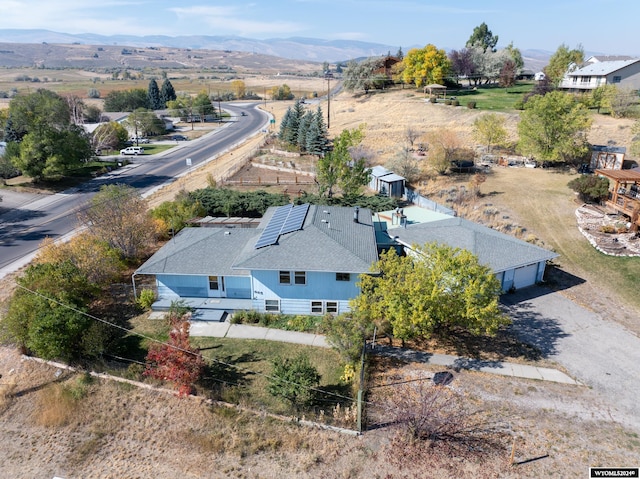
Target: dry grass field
(56,424)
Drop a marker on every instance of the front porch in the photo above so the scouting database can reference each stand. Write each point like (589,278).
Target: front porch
(207,309)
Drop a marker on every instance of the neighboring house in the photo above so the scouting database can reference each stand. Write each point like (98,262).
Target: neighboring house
(300,260)
(3,146)
(607,157)
(516,263)
(599,71)
(525,75)
(386,182)
(386,66)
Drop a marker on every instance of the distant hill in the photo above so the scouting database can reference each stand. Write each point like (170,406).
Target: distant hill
(295,48)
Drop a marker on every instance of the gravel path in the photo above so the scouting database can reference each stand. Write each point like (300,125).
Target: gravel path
(599,353)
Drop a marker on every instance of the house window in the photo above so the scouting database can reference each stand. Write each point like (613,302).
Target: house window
(343,277)
(214,283)
(300,277)
(285,277)
(332,307)
(617,79)
(272,305)
(317,307)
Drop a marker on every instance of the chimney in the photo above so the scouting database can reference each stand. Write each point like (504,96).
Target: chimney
(355,214)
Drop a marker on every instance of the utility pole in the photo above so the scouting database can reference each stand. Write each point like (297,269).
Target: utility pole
(328,76)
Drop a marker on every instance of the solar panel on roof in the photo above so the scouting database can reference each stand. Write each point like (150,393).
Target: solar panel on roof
(270,234)
(295,219)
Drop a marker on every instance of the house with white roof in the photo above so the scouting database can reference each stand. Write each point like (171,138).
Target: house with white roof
(598,71)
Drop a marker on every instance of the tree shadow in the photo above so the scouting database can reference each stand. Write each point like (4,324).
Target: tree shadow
(531,327)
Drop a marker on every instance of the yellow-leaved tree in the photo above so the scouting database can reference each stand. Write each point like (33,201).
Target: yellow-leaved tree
(424,66)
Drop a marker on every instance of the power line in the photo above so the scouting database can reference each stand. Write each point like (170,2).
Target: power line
(177,348)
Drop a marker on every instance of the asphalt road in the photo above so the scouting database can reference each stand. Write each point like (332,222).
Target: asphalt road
(26,219)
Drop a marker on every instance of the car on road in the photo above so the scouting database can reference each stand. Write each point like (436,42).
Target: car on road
(140,140)
(179,138)
(132,150)
(243,113)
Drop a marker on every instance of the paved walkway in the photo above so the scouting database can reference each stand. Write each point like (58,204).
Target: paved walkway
(243,331)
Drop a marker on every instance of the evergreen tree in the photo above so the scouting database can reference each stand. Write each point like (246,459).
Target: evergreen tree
(167,93)
(303,130)
(284,125)
(317,141)
(153,95)
(295,115)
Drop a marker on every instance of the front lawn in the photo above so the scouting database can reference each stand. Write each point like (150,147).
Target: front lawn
(492,98)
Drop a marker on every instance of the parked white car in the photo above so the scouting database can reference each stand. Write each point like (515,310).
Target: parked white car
(140,140)
(132,150)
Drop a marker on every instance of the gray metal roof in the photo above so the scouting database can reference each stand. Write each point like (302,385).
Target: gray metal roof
(204,251)
(602,68)
(497,250)
(329,240)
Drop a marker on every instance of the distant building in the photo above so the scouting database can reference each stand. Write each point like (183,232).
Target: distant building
(599,71)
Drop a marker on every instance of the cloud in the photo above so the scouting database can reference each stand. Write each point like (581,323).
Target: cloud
(235,20)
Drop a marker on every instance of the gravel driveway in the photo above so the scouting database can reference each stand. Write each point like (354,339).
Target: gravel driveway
(600,354)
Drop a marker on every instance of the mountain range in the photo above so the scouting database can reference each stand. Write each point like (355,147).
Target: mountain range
(295,48)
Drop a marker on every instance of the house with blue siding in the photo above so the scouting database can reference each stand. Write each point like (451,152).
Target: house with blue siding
(301,259)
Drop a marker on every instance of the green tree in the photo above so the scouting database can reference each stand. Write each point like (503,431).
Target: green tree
(591,188)
(483,37)
(360,75)
(153,95)
(202,106)
(282,92)
(118,216)
(173,215)
(516,56)
(295,380)
(317,142)
(423,66)
(489,129)
(346,333)
(434,290)
(339,168)
(290,127)
(143,122)
(167,92)
(554,127)
(109,136)
(45,314)
(126,100)
(561,61)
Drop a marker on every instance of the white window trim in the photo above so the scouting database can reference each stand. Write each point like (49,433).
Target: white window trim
(266,308)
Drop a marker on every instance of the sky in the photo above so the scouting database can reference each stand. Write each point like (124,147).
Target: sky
(599,26)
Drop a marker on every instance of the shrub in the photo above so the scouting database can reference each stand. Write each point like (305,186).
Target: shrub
(471,105)
(432,99)
(294,380)
(146,299)
(455,102)
(447,102)
(93,93)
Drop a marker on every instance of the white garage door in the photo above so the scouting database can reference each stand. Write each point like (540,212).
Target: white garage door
(525,276)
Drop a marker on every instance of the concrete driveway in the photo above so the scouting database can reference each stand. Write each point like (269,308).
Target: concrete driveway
(599,353)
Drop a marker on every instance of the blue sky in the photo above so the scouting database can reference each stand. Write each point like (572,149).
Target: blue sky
(602,26)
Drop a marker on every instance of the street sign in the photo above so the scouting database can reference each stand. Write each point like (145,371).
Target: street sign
(188,161)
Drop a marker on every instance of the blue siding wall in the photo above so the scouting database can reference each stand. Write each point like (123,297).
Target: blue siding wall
(297,306)
(237,287)
(173,285)
(266,285)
